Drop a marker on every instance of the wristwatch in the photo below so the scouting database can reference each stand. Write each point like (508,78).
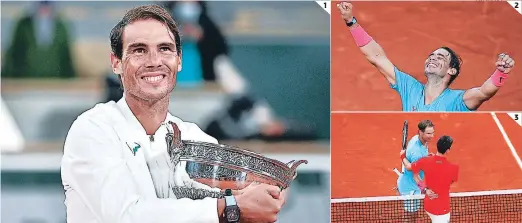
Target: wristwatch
(351,22)
(231,210)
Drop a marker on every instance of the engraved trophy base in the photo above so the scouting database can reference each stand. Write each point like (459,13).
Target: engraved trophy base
(195,193)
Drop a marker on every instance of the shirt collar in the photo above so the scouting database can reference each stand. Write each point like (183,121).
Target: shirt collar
(131,118)
(443,158)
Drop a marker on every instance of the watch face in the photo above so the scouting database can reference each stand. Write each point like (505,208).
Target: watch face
(232,214)
(228,192)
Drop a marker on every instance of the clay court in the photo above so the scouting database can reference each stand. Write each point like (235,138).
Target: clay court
(408,33)
(366,146)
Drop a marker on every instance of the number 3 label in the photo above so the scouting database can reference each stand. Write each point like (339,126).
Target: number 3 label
(517,117)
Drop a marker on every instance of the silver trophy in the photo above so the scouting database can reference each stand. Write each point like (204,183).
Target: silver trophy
(225,167)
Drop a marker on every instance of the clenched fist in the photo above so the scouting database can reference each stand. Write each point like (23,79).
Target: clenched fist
(505,63)
(346,11)
(260,203)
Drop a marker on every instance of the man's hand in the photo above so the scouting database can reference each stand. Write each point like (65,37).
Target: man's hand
(346,11)
(432,195)
(241,191)
(260,202)
(505,63)
(403,154)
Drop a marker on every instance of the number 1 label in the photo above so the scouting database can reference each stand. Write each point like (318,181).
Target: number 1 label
(324,5)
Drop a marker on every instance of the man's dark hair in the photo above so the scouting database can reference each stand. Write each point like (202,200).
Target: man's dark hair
(455,62)
(155,12)
(444,144)
(425,124)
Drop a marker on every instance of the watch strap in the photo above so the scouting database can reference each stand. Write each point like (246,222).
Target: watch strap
(232,212)
(351,23)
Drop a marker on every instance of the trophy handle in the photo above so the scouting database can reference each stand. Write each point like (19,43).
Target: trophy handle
(294,164)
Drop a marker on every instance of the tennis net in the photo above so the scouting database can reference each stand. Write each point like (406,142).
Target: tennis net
(483,206)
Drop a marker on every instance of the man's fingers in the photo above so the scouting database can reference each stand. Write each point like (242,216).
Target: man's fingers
(509,61)
(344,6)
(347,5)
(505,59)
(501,56)
(274,191)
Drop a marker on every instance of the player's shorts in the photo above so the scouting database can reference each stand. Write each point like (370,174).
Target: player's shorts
(439,218)
(412,205)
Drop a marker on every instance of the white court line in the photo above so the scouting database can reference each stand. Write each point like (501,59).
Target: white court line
(506,138)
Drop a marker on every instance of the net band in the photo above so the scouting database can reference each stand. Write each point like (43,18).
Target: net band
(483,206)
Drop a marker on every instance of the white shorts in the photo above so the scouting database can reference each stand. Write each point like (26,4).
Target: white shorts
(439,218)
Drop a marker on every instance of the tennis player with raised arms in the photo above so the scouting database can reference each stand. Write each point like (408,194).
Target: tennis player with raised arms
(441,68)
(439,174)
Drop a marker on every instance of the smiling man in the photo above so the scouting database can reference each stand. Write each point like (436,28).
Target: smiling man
(116,165)
(441,68)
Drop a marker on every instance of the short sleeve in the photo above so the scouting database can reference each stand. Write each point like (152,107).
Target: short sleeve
(459,104)
(455,173)
(413,154)
(404,83)
(416,167)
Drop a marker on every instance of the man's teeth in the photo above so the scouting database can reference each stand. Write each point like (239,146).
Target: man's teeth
(154,79)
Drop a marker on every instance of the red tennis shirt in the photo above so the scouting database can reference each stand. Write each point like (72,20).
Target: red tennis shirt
(439,173)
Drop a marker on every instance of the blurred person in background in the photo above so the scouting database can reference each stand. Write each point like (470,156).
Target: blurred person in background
(40,46)
(201,31)
(245,115)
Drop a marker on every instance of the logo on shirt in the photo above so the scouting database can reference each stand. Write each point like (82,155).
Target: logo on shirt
(414,108)
(134,149)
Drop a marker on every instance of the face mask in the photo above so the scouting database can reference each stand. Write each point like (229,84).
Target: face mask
(188,12)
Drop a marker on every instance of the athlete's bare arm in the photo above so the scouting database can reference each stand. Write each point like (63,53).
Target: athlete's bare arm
(405,161)
(474,97)
(373,51)
(416,177)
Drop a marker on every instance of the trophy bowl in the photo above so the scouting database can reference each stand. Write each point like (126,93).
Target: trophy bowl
(227,167)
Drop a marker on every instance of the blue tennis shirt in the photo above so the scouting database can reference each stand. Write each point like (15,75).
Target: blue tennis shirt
(411,92)
(414,152)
